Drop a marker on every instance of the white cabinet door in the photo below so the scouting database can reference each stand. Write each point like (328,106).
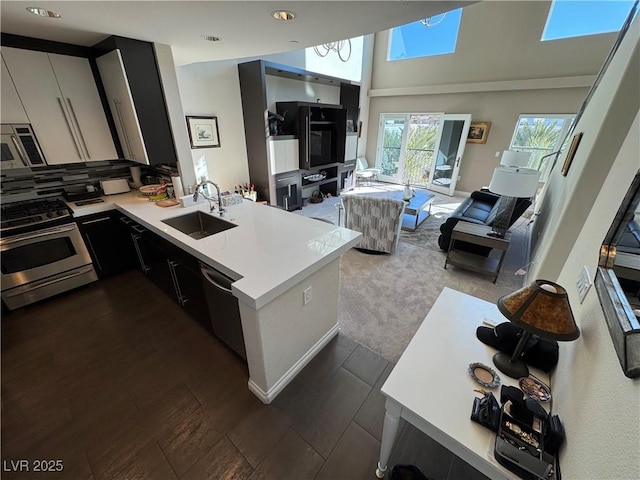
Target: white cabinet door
(40,94)
(283,155)
(12,109)
(62,103)
(116,85)
(350,147)
(291,154)
(82,100)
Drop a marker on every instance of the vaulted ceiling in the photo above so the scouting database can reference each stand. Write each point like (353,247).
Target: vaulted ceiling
(245,28)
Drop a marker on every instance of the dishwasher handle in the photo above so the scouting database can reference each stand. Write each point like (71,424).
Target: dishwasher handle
(217,279)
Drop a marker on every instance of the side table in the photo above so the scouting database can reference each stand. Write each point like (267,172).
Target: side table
(477,235)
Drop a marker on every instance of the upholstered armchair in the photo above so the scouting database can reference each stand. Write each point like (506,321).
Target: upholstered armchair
(378,219)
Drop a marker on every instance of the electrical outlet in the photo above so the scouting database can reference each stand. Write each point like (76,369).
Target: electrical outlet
(583,283)
(306,295)
(497,154)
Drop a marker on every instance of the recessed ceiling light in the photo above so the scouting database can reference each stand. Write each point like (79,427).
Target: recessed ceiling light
(294,41)
(283,15)
(43,12)
(210,38)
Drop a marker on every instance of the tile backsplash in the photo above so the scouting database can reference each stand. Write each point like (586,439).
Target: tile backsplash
(51,181)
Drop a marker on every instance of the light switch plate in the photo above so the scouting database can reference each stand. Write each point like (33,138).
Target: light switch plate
(306,295)
(584,283)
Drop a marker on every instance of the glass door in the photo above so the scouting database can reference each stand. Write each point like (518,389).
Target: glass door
(451,140)
(391,141)
(406,145)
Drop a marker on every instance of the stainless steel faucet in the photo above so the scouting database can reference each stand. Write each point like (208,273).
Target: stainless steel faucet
(211,200)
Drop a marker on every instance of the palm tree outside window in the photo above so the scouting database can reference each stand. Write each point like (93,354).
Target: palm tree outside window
(541,134)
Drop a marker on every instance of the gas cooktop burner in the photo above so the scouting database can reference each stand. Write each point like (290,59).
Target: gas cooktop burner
(41,212)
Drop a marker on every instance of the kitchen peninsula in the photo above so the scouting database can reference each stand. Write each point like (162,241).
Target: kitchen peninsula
(274,258)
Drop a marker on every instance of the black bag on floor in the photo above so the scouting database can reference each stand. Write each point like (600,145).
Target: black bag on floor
(406,472)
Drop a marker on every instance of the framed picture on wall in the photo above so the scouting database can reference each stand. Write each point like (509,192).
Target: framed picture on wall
(571,153)
(203,132)
(478,132)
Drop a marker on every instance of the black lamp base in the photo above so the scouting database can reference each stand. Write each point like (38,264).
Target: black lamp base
(513,369)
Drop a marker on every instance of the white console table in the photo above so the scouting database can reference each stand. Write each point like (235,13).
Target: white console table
(431,388)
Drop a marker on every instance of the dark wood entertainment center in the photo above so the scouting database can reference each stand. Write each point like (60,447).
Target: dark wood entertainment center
(287,188)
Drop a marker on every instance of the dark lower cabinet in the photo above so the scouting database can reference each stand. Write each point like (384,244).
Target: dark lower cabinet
(173,270)
(192,294)
(108,242)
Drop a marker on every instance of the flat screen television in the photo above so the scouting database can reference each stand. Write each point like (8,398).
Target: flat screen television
(320,147)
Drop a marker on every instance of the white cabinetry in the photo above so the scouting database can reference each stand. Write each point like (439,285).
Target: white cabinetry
(283,155)
(116,85)
(62,102)
(350,147)
(12,109)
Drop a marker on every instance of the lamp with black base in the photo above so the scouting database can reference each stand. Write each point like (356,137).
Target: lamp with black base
(540,308)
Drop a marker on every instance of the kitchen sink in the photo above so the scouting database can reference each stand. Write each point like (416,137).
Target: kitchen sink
(198,224)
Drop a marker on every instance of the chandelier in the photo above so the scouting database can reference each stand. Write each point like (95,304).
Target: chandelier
(433,21)
(342,48)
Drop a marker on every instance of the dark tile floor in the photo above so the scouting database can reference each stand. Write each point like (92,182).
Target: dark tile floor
(117,382)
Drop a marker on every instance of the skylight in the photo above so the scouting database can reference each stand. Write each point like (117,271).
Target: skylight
(417,40)
(570,18)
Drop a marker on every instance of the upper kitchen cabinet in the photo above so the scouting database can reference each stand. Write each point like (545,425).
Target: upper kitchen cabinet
(131,80)
(61,100)
(116,86)
(12,109)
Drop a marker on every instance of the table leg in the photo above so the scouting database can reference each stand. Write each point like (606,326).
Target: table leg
(389,433)
(499,265)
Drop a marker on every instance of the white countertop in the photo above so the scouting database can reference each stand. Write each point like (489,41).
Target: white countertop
(269,252)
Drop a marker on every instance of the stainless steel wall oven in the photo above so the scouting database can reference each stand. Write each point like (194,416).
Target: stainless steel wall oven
(41,251)
(19,147)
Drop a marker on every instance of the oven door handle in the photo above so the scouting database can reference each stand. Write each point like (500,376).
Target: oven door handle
(47,283)
(30,236)
(19,150)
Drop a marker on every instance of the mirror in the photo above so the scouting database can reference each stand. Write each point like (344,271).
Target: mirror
(618,280)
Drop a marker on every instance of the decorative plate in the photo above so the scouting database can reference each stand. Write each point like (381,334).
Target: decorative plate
(485,376)
(315,178)
(535,388)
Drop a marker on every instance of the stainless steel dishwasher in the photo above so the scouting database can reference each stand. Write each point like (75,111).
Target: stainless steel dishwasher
(223,309)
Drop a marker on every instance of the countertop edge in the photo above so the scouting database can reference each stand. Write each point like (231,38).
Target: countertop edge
(255,302)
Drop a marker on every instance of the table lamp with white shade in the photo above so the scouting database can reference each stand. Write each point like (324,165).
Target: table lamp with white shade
(511,158)
(511,182)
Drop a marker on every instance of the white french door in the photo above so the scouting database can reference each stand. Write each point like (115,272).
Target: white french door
(392,141)
(422,149)
(451,140)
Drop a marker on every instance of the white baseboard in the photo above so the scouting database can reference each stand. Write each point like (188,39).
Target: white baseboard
(268,396)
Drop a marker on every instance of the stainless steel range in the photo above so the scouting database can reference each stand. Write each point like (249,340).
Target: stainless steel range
(42,252)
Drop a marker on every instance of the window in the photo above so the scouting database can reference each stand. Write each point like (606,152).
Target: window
(568,19)
(417,40)
(541,135)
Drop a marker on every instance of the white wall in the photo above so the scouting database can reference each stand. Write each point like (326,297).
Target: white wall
(213,89)
(496,41)
(330,65)
(173,99)
(500,70)
(599,406)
